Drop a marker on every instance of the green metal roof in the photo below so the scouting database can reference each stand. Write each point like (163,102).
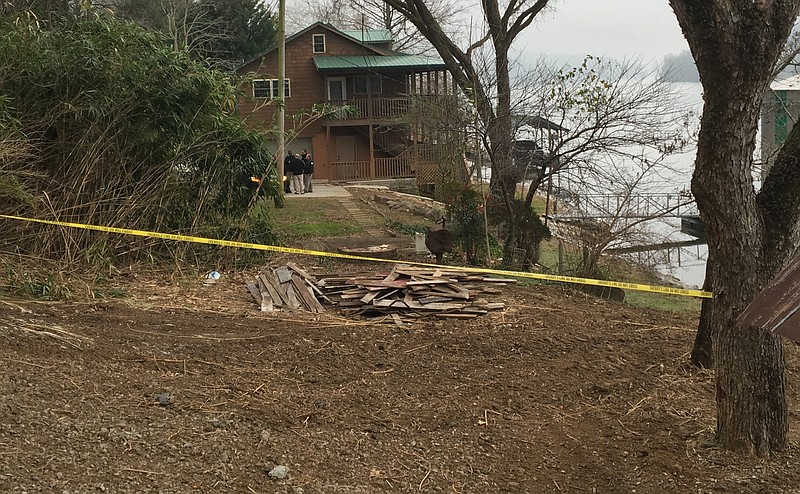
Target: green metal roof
(369,36)
(330,63)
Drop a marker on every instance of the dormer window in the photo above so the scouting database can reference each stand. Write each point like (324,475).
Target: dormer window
(319,43)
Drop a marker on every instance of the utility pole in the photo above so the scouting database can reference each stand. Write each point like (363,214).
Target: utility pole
(281,100)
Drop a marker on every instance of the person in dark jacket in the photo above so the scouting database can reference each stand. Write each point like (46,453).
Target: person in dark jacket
(308,171)
(296,165)
(287,172)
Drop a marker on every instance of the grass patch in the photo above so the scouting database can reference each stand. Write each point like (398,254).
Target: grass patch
(548,257)
(34,282)
(400,228)
(538,204)
(309,217)
(621,270)
(660,301)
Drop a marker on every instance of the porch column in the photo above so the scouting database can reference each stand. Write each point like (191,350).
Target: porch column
(371,152)
(332,173)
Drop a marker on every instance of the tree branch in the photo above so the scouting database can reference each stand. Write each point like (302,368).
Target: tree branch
(474,46)
(525,18)
(458,63)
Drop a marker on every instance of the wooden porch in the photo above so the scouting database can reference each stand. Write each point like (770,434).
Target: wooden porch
(372,108)
(388,108)
(377,169)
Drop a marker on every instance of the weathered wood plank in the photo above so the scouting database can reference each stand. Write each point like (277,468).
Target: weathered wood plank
(416,305)
(390,303)
(254,291)
(434,298)
(297,269)
(306,296)
(392,276)
(266,302)
(292,298)
(389,293)
(474,310)
(283,274)
(379,283)
(439,281)
(368,297)
(271,285)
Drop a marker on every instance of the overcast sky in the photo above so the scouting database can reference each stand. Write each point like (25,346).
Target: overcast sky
(623,29)
(645,29)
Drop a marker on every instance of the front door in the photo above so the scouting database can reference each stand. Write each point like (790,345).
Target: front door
(347,168)
(337,89)
(345,148)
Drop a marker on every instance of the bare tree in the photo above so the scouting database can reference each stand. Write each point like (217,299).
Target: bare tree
(594,120)
(788,57)
(605,113)
(502,28)
(615,208)
(489,90)
(751,235)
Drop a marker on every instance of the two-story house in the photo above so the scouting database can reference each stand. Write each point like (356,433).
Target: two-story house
(358,69)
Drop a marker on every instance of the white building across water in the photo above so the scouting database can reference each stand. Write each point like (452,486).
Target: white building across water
(780,111)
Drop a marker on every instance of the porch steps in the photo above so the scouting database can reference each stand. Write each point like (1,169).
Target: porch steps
(363,219)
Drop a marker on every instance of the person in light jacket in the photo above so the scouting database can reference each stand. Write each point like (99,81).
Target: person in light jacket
(308,172)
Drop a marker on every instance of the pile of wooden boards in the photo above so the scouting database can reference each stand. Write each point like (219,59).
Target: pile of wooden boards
(288,287)
(409,293)
(401,294)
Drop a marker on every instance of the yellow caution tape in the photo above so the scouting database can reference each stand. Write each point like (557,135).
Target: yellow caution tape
(289,250)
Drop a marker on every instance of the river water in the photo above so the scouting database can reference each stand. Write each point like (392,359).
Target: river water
(686,264)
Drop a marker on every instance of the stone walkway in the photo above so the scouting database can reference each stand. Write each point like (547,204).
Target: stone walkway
(363,219)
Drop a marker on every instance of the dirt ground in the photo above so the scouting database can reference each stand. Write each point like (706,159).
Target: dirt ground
(561,392)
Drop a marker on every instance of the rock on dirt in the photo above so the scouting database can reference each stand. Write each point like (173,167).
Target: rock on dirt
(279,472)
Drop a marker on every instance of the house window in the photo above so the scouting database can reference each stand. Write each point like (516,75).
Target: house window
(367,84)
(319,43)
(268,88)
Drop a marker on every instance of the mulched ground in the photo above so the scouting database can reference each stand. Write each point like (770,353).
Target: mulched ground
(561,392)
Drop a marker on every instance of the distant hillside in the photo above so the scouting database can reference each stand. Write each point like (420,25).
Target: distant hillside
(680,67)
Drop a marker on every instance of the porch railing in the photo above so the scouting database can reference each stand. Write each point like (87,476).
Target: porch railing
(351,170)
(379,108)
(399,167)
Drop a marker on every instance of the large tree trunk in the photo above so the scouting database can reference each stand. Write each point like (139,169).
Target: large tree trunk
(703,350)
(503,185)
(504,178)
(751,397)
(735,45)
